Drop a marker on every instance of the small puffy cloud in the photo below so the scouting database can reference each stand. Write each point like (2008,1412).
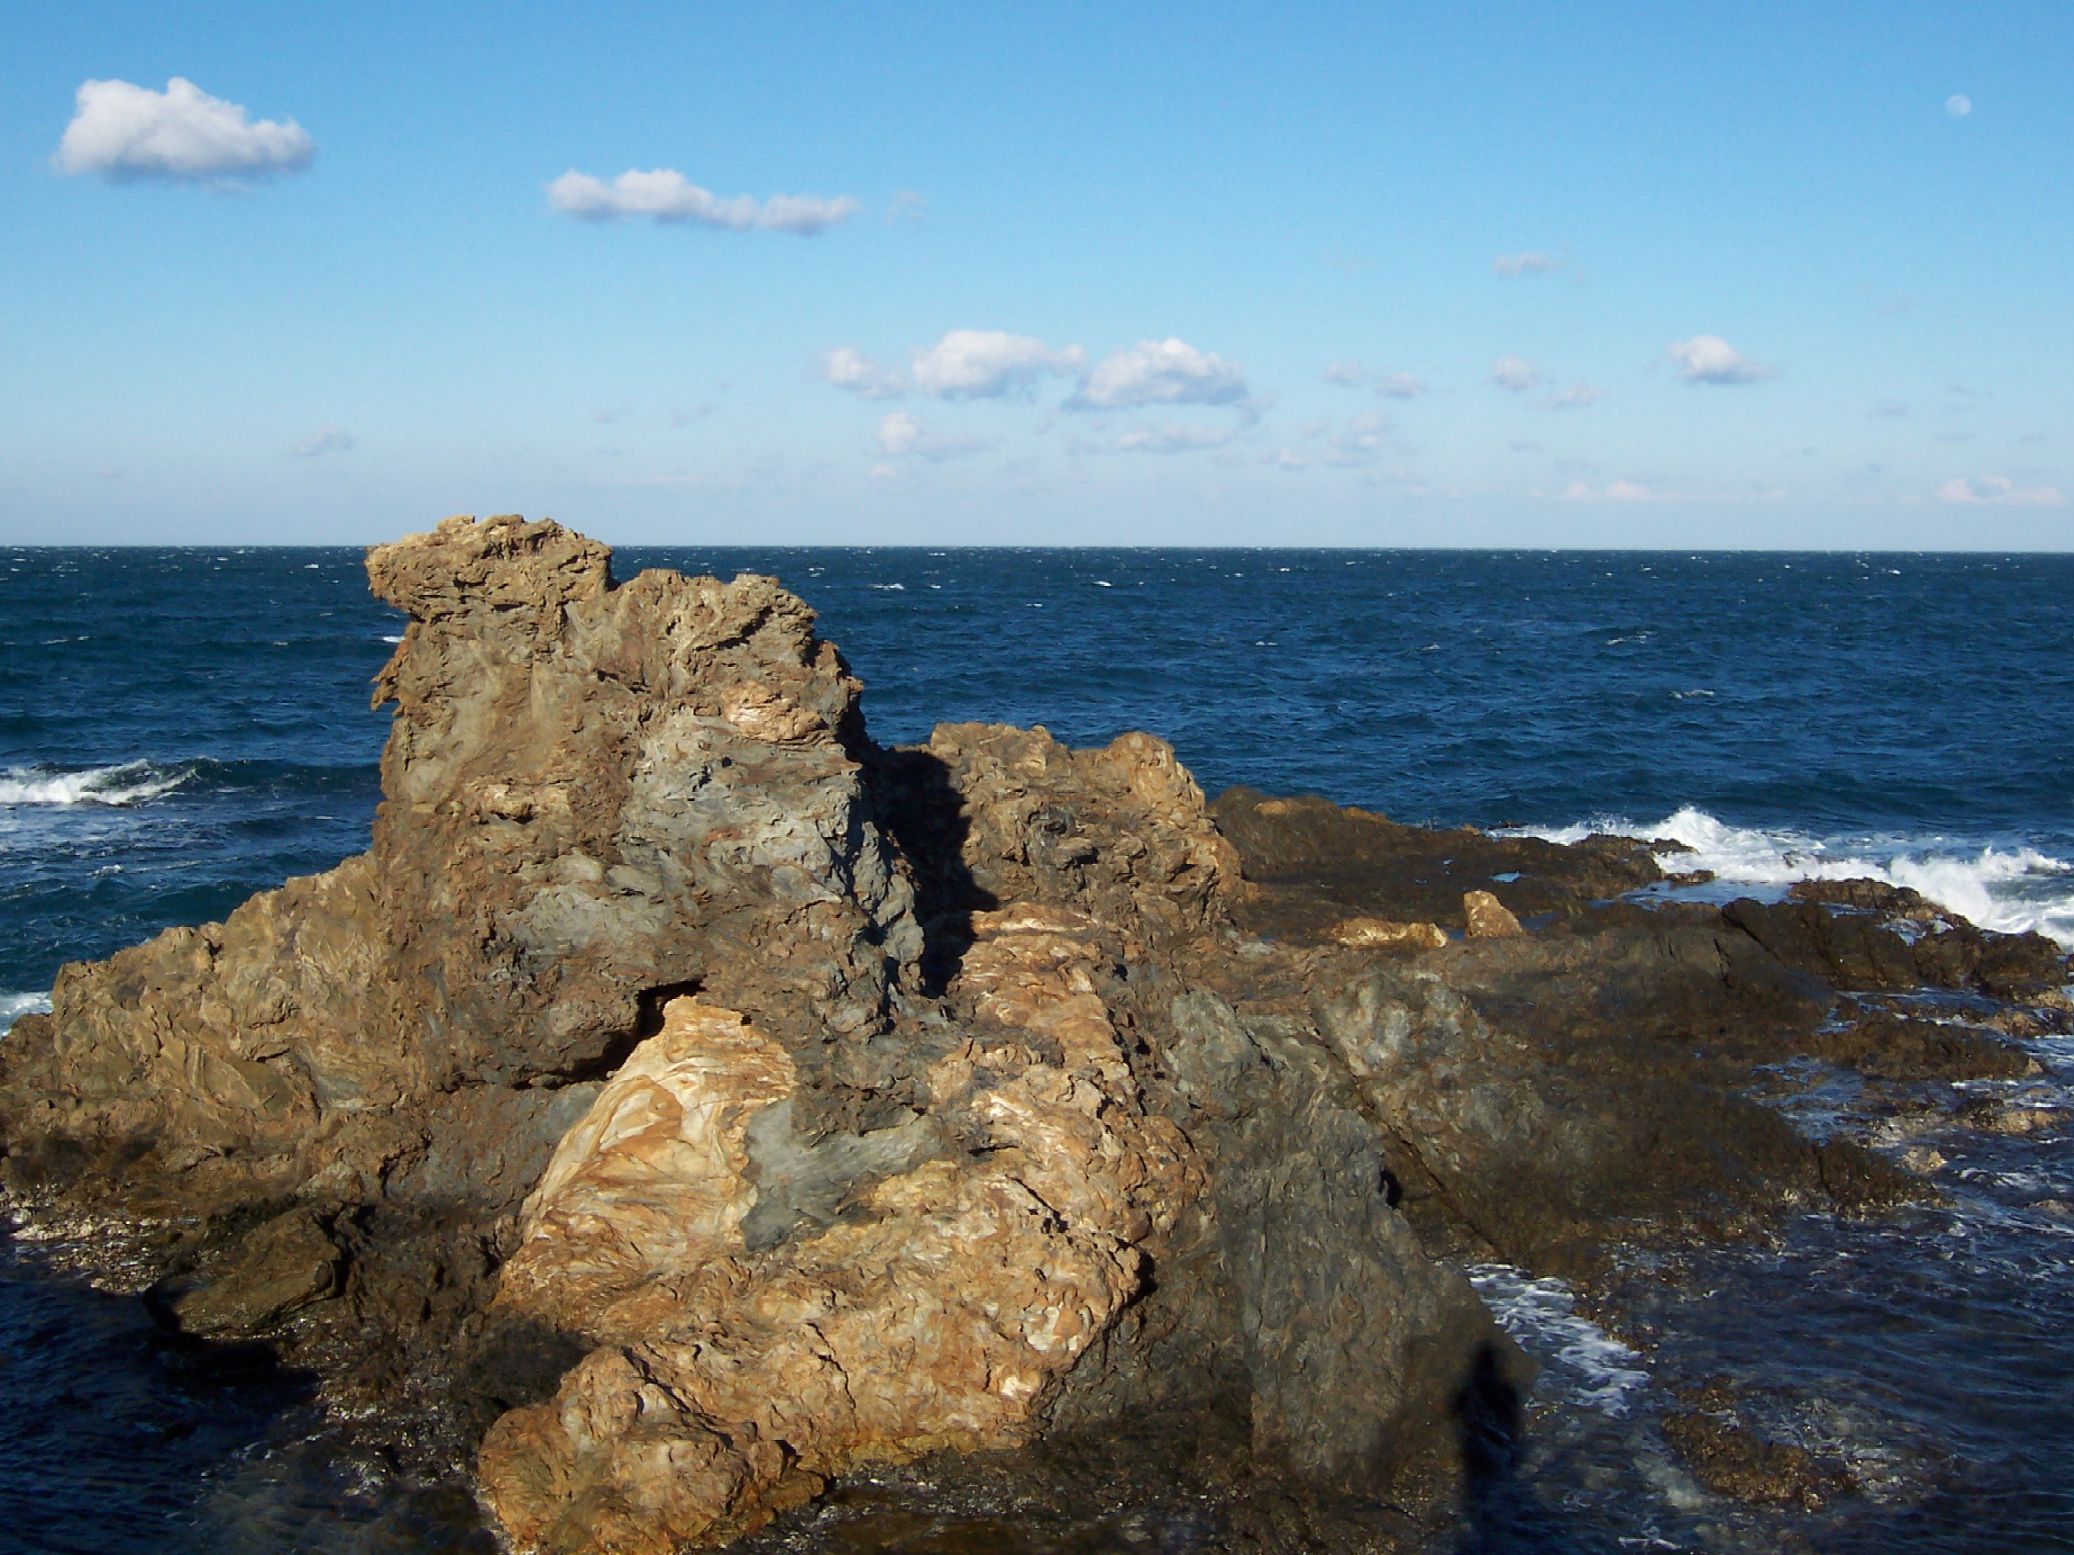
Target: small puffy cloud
(1532,262)
(1710,359)
(683,416)
(1890,410)
(1345,374)
(1958,105)
(1576,397)
(850,369)
(1516,374)
(124,132)
(1172,439)
(325,440)
(1161,372)
(900,435)
(2000,491)
(976,364)
(1400,386)
(666,195)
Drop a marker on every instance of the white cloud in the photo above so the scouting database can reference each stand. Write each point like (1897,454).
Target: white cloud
(1613,491)
(971,364)
(1890,410)
(122,132)
(1532,262)
(908,208)
(667,195)
(1400,386)
(1710,359)
(1516,374)
(1958,105)
(1346,374)
(1172,439)
(1359,442)
(1576,397)
(2001,491)
(325,440)
(900,434)
(1161,372)
(848,368)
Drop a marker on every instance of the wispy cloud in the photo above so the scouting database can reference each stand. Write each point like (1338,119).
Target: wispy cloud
(1614,491)
(900,435)
(326,440)
(1576,397)
(1890,410)
(1999,491)
(1710,359)
(1400,386)
(1161,372)
(1531,262)
(1345,374)
(851,370)
(1172,439)
(1361,440)
(126,132)
(1515,374)
(665,195)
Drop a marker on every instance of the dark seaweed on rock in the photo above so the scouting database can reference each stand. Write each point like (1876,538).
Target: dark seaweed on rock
(686,1102)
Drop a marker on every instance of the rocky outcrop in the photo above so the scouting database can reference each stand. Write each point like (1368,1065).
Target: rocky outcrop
(685,1102)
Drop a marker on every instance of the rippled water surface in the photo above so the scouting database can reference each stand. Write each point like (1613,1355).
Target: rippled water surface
(180,728)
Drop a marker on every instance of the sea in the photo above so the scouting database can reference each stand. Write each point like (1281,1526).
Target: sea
(182,727)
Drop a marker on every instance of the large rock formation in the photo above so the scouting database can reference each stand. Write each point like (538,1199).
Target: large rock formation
(685,1101)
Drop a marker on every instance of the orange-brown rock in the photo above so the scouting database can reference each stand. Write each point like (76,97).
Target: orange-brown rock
(1364,933)
(932,1307)
(1487,917)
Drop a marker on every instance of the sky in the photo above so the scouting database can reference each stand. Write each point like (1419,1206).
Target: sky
(1741,275)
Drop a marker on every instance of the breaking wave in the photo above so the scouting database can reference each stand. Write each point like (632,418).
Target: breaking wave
(1585,1364)
(13,1006)
(2014,890)
(131,782)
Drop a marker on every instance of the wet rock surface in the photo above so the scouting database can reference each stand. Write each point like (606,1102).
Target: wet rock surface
(687,1109)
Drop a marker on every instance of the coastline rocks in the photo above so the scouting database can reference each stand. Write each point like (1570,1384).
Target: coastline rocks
(686,1102)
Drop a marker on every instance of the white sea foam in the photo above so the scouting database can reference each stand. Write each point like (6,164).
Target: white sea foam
(13,1006)
(1585,1364)
(132,782)
(2010,889)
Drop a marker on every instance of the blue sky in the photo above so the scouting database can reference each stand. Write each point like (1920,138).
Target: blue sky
(1734,275)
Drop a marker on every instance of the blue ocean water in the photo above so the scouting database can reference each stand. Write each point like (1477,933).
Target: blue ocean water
(179,728)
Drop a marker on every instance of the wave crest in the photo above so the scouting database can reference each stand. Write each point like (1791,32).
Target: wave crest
(13,1006)
(2011,889)
(129,783)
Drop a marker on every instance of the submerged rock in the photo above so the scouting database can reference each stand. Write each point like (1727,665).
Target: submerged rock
(686,1102)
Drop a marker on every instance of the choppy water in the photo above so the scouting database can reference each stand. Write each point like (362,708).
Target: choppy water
(180,728)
